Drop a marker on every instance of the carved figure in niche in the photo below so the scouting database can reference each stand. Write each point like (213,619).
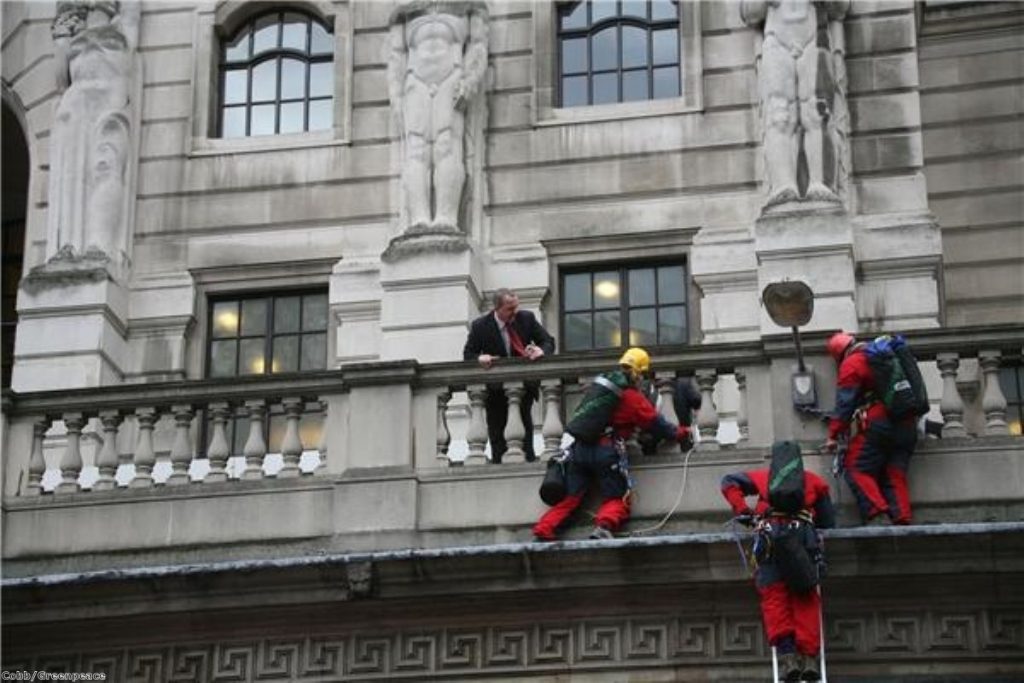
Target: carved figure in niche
(91,148)
(436,66)
(800,88)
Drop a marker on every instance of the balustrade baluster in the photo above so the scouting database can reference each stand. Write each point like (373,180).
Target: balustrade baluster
(36,462)
(993,402)
(444,436)
(71,461)
(707,417)
(666,384)
(951,406)
(552,428)
(255,449)
(291,444)
(181,449)
(219,451)
(476,435)
(741,412)
(107,460)
(145,456)
(515,430)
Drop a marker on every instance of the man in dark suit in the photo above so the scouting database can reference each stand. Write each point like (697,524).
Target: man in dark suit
(502,333)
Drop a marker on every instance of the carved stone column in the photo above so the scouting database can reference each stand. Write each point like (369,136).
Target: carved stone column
(707,417)
(181,449)
(107,461)
(515,430)
(552,428)
(255,449)
(993,402)
(666,383)
(36,462)
(951,406)
(444,437)
(476,436)
(219,451)
(291,444)
(741,413)
(145,456)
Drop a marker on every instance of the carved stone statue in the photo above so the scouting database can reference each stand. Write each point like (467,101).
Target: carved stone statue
(801,81)
(437,63)
(91,148)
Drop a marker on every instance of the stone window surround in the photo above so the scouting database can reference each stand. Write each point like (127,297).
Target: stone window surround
(545,40)
(214,23)
(243,281)
(622,250)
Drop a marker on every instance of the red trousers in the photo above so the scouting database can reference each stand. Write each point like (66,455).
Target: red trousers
(876,469)
(612,514)
(786,613)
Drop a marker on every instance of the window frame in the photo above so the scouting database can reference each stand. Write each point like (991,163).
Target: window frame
(547,75)
(622,268)
(214,23)
(268,345)
(618,22)
(276,54)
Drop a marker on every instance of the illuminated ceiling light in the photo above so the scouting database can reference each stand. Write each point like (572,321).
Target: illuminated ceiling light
(227,321)
(607,289)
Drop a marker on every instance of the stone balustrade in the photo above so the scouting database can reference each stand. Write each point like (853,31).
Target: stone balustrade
(185,428)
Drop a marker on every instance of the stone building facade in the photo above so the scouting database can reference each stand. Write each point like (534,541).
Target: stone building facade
(243,233)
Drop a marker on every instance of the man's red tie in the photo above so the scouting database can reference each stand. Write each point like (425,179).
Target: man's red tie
(515,342)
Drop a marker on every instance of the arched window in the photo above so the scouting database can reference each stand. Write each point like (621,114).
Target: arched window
(277,76)
(618,51)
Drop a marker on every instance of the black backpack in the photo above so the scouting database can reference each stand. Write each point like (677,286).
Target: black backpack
(594,413)
(898,382)
(786,478)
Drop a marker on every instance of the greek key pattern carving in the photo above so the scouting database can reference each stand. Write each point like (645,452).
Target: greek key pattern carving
(596,644)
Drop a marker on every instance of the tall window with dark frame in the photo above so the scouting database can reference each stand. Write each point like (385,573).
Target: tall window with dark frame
(260,335)
(615,307)
(267,334)
(618,51)
(277,76)
(1011,381)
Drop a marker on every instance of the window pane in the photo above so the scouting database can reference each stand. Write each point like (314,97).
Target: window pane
(641,287)
(666,82)
(604,49)
(606,290)
(222,358)
(266,34)
(251,361)
(607,330)
(577,18)
(293,33)
(254,317)
(666,46)
(237,49)
(602,9)
(233,122)
(643,327)
(264,81)
(634,86)
(1008,383)
(634,47)
(321,114)
(574,91)
(286,314)
(293,79)
(314,312)
(577,331)
(672,325)
(235,82)
(663,9)
(293,116)
(286,354)
(321,42)
(574,55)
(314,351)
(577,292)
(606,88)
(321,79)
(671,285)
(634,8)
(262,120)
(225,319)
